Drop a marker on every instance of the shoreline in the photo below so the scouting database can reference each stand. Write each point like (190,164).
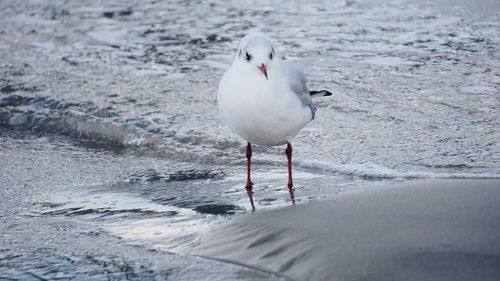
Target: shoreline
(420,230)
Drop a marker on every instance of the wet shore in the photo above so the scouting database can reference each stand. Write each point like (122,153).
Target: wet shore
(426,230)
(114,164)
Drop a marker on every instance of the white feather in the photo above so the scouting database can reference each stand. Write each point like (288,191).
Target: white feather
(263,111)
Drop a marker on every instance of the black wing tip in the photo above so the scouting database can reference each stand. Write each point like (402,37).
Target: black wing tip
(322,93)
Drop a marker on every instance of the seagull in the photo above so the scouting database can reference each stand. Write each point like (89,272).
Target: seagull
(265,100)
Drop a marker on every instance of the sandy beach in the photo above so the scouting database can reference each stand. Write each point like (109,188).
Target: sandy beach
(425,230)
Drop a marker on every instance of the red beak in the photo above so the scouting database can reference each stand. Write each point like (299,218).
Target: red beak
(263,69)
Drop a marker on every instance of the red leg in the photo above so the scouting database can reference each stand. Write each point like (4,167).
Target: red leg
(249,159)
(288,152)
(249,181)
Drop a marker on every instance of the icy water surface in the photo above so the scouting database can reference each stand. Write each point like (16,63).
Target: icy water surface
(113,156)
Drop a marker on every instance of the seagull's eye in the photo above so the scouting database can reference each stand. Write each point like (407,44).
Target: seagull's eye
(270,55)
(248,56)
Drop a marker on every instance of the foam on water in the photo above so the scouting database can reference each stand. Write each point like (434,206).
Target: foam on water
(49,116)
(370,171)
(403,83)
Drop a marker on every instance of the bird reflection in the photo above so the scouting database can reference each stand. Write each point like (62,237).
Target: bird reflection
(291,192)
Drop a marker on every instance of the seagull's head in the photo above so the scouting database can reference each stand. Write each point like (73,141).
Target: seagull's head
(257,52)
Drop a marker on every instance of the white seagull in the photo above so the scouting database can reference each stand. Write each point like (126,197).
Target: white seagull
(265,100)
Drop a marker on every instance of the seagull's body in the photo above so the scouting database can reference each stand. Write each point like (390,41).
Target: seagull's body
(265,112)
(264,99)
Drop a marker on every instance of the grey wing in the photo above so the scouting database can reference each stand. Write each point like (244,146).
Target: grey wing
(298,85)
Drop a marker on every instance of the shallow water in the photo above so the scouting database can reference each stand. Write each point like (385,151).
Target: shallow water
(108,119)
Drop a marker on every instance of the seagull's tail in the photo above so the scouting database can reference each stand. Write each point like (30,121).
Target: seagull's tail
(322,93)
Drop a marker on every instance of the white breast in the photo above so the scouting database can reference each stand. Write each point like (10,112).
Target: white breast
(264,112)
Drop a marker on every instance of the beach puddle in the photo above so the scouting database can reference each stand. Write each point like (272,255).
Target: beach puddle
(172,212)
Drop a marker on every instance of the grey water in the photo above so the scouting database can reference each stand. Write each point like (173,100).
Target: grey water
(113,160)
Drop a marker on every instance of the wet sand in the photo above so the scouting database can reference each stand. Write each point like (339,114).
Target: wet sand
(426,230)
